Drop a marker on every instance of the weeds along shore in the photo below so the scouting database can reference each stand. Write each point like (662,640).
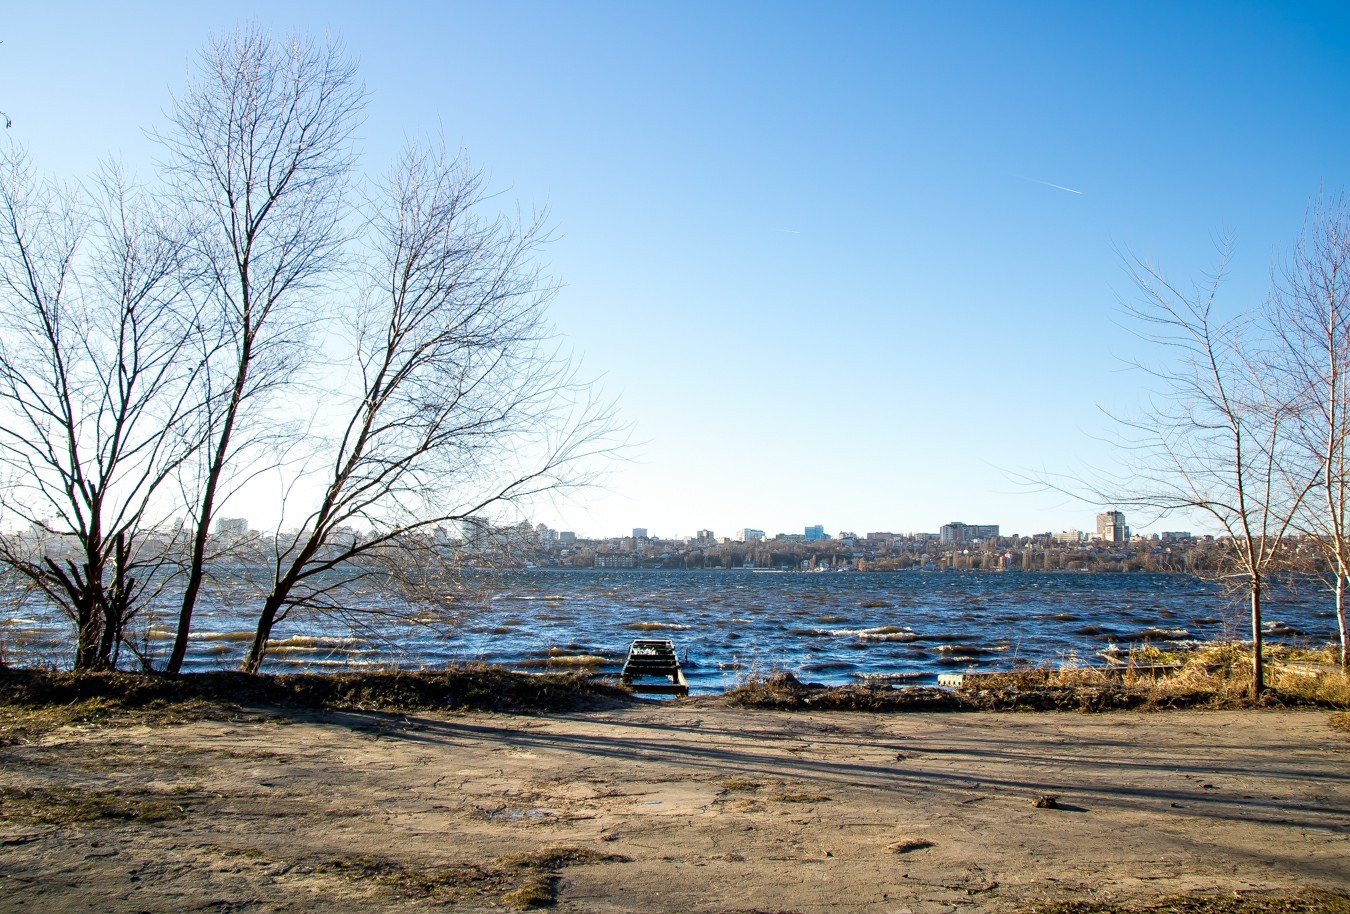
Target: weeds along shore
(1211,676)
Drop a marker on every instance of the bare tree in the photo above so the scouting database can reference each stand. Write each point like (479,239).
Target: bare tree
(1217,438)
(1310,317)
(100,351)
(139,359)
(260,145)
(460,402)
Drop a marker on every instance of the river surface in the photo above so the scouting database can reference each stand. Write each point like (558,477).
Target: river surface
(831,628)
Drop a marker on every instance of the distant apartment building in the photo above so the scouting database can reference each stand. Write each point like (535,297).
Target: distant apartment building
(231,526)
(748,535)
(615,560)
(814,534)
(566,537)
(1069,537)
(959,534)
(1174,536)
(474,529)
(1111,527)
(639,533)
(705,538)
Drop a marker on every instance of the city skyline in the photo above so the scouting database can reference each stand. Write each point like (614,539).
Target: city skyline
(865,263)
(1110,527)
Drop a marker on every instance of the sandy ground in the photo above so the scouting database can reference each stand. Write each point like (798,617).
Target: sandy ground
(676,808)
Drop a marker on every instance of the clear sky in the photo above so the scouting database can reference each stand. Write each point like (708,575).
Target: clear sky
(855,264)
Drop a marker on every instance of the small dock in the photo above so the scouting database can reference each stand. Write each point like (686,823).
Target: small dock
(653,667)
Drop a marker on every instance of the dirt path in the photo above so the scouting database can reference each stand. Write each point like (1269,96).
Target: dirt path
(671,809)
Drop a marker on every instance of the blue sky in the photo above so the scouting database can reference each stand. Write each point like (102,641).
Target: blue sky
(815,251)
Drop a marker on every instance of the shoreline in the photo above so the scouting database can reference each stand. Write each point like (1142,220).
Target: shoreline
(1216,676)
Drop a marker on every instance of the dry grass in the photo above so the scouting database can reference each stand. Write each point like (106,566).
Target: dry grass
(1210,676)
(1304,901)
(535,887)
(67,805)
(741,784)
(799,798)
(1221,674)
(558,856)
(906,845)
(33,701)
(408,881)
(536,892)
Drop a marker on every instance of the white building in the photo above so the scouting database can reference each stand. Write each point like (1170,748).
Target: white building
(231,526)
(1111,527)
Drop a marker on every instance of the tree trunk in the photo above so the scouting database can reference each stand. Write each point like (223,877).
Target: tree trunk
(88,615)
(1341,623)
(197,567)
(196,571)
(1258,666)
(112,636)
(87,638)
(263,634)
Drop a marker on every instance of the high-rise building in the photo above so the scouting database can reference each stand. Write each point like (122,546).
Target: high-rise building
(748,535)
(1111,527)
(815,533)
(959,534)
(231,526)
(639,533)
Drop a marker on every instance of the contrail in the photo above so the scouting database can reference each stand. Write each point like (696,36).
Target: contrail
(788,231)
(1055,186)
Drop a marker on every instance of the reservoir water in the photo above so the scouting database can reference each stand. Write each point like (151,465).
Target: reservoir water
(831,628)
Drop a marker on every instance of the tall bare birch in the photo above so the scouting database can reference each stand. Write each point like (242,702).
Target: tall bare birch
(1310,317)
(460,403)
(1217,437)
(260,145)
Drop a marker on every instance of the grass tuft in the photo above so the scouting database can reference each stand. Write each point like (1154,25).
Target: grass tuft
(1303,901)
(535,892)
(66,805)
(408,881)
(735,784)
(558,856)
(906,845)
(800,798)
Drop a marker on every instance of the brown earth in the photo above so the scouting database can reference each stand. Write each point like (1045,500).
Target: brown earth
(678,807)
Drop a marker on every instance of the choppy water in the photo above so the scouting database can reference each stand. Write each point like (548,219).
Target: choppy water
(830,628)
